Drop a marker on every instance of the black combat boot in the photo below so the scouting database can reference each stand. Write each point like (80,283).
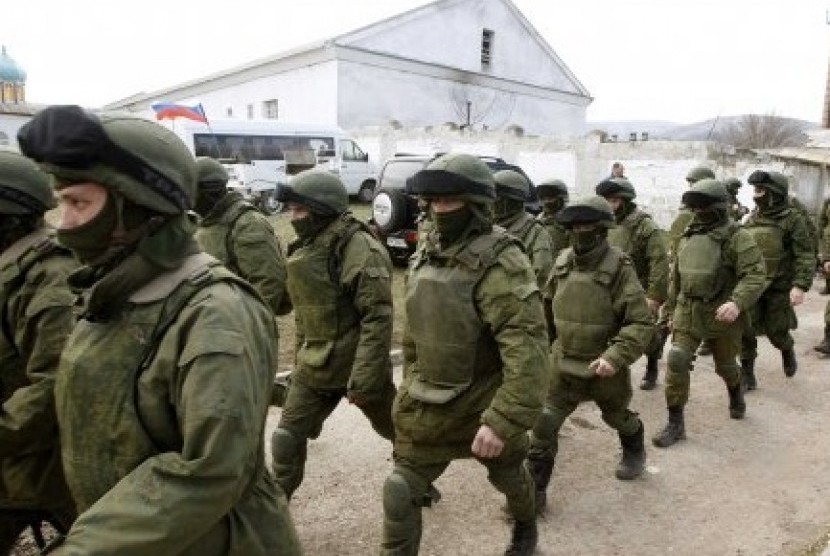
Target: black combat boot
(541,470)
(633,460)
(524,539)
(824,346)
(650,378)
(673,431)
(748,374)
(789,362)
(826,289)
(737,405)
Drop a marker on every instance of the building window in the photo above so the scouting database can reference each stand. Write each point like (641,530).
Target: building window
(487,36)
(229,111)
(250,111)
(271,109)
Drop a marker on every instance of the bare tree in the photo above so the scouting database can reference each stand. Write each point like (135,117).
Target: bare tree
(768,131)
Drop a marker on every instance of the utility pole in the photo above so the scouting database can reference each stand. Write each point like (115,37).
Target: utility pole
(469,112)
(825,113)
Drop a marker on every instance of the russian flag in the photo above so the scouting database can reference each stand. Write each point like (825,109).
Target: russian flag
(170,111)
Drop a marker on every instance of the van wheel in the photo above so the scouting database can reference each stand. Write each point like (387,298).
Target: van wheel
(389,210)
(366,192)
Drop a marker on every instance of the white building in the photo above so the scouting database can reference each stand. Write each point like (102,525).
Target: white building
(460,61)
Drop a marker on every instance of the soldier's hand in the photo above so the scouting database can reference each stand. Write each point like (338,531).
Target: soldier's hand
(727,312)
(796,296)
(487,443)
(653,305)
(601,367)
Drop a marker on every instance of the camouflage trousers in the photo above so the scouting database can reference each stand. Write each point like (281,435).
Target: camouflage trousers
(772,316)
(725,349)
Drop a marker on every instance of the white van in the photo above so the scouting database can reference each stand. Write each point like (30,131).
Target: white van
(259,153)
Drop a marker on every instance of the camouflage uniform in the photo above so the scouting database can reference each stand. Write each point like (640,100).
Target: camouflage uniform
(824,345)
(163,388)
(475,357)
(736,210)
(638,236)
(601,314)
(554,196)
(513,190)
(35,319)
(784,239)
(339,280)
(824,242)
(715,263)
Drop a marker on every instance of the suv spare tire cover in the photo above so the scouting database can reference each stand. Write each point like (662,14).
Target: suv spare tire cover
(391,210)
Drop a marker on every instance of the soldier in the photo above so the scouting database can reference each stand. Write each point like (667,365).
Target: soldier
(678,226)
(784,240)
(553,194)
(824,240)
(36,312)
(236,233)
(475,356)
(736,210)
(636,235)
(512,191)
(339,280)
(162,390)
(604,325)
(716,276)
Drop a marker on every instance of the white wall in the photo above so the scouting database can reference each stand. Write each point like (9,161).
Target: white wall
(306,95)
(9,126)
(371,95)
(450,34)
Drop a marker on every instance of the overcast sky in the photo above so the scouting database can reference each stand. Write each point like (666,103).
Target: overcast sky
(681,61)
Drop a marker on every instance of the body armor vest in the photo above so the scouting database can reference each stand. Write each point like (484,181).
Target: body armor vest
(583,310)
(123,349)
(215,238)
(325,314)
(770,239)
(621,236)
(451,341)
(701,265)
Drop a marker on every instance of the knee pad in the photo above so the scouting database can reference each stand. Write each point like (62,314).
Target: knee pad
(397,498)
(285,446)
(680,360)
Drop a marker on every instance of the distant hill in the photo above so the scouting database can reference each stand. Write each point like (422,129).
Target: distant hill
(660,129)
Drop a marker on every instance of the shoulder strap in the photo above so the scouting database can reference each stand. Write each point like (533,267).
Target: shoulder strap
(483,251)
(339,243)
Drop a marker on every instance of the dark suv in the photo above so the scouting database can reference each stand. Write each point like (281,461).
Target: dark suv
(395,213)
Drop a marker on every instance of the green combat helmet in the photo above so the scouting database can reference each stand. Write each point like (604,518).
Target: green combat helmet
(699,173)
(512,185)
(141,160)
(321,191)
(24,189)
(458,175)
(209,170)
(587,210)
(705,193)
(616,187)
(732,186)
(552,188)
(775,182)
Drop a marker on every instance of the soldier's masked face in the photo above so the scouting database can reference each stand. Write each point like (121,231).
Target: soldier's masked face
(762,198)
(208,195)
(585,237)
(451,217)
(88,218)
(552,205)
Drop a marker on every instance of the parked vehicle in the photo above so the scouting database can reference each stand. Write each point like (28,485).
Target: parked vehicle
(260,153)
(396,214)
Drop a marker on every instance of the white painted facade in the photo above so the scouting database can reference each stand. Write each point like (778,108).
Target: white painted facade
(420,68)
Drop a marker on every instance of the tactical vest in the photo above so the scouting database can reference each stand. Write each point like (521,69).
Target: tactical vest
(123,350)
(215,239)
(622,237)
(452,343)
(583,310)
(522,228)
(558,233)
(770,239)
(324,311)
(700,262)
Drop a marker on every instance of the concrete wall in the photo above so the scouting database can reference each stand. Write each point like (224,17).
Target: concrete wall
(656,168)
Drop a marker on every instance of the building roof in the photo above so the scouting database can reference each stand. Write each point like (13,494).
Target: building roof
(814,155)
(327,48)
(10,71)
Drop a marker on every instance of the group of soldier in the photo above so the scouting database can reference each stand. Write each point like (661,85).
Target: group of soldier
(139,341)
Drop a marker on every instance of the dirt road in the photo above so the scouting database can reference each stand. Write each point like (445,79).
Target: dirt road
(760,486)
